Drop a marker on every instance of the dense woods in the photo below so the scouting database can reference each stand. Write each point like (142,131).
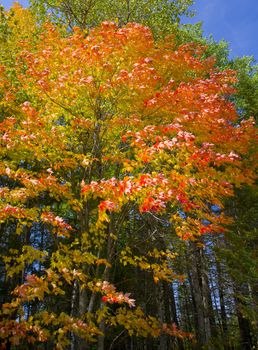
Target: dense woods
(127,181)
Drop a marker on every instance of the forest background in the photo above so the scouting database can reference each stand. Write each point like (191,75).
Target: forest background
(128,198)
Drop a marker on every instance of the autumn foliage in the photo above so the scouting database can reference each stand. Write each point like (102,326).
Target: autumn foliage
(100,129)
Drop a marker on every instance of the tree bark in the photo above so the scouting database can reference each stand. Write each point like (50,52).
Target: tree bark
(199,285)
(243,322)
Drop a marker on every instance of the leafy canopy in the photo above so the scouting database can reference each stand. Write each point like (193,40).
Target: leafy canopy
(114,124)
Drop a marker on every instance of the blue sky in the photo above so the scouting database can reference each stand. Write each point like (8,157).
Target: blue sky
(8,3)
(236,21)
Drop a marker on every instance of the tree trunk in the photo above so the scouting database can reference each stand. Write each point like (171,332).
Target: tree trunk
(162,316)
(243,322)
(223,314)
(200,296)
(73,312)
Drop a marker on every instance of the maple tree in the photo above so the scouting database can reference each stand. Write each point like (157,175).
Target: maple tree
(115,127)
(162,16)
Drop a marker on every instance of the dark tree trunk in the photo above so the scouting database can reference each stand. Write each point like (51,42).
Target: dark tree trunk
(201,298)
(243,322)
